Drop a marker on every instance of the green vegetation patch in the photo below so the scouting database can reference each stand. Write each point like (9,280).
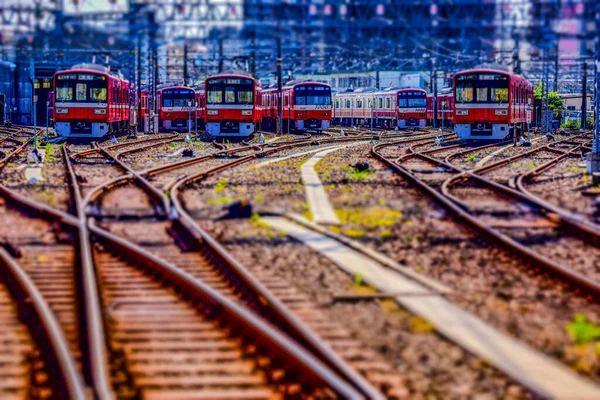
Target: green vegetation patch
(582,330)
(357,175)
(221,185)
(370,218)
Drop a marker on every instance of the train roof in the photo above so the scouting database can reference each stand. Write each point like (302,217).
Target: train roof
(374,91)
(175,87)
(232,76)
(489,71)
(90,71)
(293,84)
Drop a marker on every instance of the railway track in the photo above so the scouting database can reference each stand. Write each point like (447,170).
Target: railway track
(523,212)
(189,237)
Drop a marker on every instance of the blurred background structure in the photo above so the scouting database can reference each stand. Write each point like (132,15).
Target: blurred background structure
(348,44)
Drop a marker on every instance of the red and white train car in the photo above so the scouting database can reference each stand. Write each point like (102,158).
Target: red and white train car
(305,106)
(233,105)
(90,103)
(491,104)
(200,107)
(389,108)
(445,109)
(176,108)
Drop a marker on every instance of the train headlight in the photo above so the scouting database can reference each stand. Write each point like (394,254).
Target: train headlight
(212,112)
(462,112)
(62,110)
(99,110)
(246,112)
(501,112)
(300,114)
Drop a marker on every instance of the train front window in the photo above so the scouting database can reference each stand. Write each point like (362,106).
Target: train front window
(312,95)
(98,94)
(81,88)
(64,92)
(177,97)
(412,99)
(482,88)
(230,91)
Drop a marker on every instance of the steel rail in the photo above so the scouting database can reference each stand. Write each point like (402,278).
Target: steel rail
(254,327)
(16,151)
(523,178)
(45,329)
(576,278)
(175,275)
(269,304)
(120,145)
(95,341)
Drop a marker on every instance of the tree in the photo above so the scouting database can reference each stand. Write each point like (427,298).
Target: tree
(555,103)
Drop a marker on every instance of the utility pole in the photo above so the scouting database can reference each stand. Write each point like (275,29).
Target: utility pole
(279,77)
(185,64)
(138,84)
(593,164)
(435,89)
(584,97)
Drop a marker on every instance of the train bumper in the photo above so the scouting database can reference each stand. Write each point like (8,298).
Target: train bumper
(178,124)
(230,128)
(81,129)
(481,131)
(411,123)
(318,125)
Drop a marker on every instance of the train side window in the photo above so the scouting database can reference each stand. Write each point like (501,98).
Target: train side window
(380,102)
(337,103)
(348,103)
(388,103)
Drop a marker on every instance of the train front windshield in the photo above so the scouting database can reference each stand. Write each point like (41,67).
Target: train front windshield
(482,88)
(232,91)
(312,95)
(81,88)
(177,98)
(413,99)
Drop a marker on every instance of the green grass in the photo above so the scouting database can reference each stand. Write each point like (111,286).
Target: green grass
(49,152)
(371,218)
(385,234)
(221,185)
(358,279)
(357,175)
(582,330)
(354,233)
(259,199)
(472,158)
(221,200)
(173,145)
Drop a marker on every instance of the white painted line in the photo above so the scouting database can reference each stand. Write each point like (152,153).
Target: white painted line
(547,377)
(316,196)
(487,158)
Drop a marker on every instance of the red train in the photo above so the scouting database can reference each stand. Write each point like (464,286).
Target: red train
(445,109)
(200,107)
(233,105)
(491,104)
(90,102)
(306,106)
(391,107)
(176,108)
